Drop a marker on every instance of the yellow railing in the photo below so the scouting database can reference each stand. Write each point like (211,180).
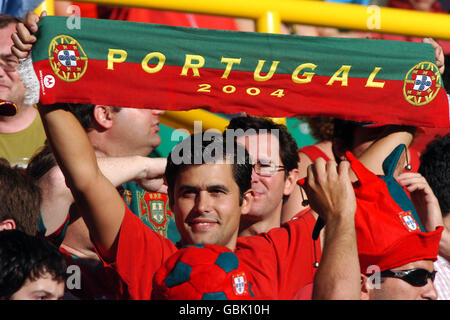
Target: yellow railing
(268,15)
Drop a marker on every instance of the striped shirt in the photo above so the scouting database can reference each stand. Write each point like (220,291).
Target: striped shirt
(442,281)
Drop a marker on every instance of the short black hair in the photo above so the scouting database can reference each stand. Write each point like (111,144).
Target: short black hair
(288,146)
(25,257)
(84,112)
(435,167)
(202,148)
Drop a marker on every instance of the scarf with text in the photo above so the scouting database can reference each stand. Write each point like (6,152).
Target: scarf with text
(129,64)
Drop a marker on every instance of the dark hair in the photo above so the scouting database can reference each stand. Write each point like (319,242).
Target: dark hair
(25,257)
(6,20)
(192,151)
(322,128)
(288,146)
(435,167)
(345,130)
(41,162)
(84,112)
(20,199)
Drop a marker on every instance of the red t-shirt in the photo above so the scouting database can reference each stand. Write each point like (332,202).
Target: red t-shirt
(279,262)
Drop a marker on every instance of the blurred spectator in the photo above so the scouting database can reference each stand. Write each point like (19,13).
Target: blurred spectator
(18,8)
(31,268)
(20,134)
(21,200)
(168,18)
(435,167)
(432,6)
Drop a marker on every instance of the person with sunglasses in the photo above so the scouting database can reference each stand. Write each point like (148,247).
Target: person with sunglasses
(396,243)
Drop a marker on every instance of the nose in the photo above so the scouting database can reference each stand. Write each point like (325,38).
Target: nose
(255,176)
(429,291)
(203,202)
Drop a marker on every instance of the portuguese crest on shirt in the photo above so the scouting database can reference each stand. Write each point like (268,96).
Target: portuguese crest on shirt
(240,284)
(408,221)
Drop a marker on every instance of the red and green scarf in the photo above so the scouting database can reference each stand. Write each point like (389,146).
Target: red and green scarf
(129,64)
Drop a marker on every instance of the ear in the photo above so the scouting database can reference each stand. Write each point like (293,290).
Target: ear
(8,224)
(247,200)
(104,116)
(365,290)
(291,182)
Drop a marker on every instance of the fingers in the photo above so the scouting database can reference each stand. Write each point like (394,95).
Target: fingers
(32,19)
(413,182)
(21,49)
(23,39)
(439,53)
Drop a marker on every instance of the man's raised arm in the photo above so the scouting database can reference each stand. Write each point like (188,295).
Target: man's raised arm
(101,205)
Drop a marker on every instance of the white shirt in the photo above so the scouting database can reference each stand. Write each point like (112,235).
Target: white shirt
(442,280)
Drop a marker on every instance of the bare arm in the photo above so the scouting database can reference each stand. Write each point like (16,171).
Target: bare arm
(427,207)
(331,194)
(98,199)
(57,197)
(372,158)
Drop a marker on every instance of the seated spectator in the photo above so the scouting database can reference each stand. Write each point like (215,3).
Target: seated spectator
(396,252)
(31,268)
(432,6)
(65,228)
(21,134)
(435,168)
(20,201)
(269,145)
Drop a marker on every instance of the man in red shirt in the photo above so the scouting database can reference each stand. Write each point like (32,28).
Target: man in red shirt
(208,197)
(208,200)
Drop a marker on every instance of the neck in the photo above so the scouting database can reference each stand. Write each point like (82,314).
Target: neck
(20,121)
(251,225)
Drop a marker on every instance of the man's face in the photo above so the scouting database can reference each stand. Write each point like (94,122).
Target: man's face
(136,131)
(268,190)
(44,288)
(206,205)
(398,289)
(11,87)
(422,5)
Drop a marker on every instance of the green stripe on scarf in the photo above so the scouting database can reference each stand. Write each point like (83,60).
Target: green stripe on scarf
(130,64)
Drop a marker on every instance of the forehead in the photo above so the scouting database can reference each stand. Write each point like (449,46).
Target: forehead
(424,264)
(265,146)
(204,175)
(5,38)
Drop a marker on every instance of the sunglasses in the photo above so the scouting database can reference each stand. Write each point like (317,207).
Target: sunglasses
(416,277)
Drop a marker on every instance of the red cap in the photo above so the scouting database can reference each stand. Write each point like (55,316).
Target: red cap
(387,236)
(202,272)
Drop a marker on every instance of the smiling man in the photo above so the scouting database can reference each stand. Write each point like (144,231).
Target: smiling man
(274,155)
(208,198)
(22,133)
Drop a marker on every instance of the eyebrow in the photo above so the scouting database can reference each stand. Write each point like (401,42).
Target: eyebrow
(209,187)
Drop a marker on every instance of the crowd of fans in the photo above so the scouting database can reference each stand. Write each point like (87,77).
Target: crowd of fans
(362,214)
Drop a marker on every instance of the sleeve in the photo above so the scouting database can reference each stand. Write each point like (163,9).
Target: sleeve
(140,253)
(281,261)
